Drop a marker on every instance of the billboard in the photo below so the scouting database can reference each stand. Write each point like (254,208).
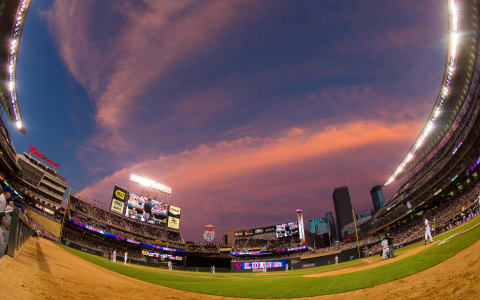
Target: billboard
(174,217)
(284,230)
(261,264)
(146,209)
(209,233)
(255,231)
(118,200)
(162,256)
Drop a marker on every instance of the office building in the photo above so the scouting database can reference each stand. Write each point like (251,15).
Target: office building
(377,197)
(343,208)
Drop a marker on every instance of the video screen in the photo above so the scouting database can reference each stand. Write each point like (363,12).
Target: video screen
(284,230)
(261,264)
(145,209)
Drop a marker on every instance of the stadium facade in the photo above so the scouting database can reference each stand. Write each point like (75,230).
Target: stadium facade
(448,149)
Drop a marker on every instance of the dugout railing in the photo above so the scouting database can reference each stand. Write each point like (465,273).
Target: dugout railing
(20,232)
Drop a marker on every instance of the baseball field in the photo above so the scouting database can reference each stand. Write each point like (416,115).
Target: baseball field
(448,268)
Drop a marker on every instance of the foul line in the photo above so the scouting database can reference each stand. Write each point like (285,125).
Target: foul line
(458,233)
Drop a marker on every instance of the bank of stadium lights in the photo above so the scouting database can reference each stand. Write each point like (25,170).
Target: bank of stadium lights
(454,40)
(12,60)
(150,184)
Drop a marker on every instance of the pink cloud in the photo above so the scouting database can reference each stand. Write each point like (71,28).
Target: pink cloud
(139,52)
(248,177)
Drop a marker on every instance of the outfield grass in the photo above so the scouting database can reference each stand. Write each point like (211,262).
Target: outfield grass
(289,286)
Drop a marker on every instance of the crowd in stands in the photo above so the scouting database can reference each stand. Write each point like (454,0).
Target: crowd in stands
(105,245)
(200,248)
(122,226)
(436,179)
(443,217)
(257,244)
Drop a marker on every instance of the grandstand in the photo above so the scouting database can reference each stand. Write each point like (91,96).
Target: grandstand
(446,159)
(98,231)
(40,183)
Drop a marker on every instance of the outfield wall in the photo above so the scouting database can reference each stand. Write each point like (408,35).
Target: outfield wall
(50,225)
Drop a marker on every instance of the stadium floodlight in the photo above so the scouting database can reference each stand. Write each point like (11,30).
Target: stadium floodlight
(409,157)
(454,41)
(150,184)
(19,124)
(428,128)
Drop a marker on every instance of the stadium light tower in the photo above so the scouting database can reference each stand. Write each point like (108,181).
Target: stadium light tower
(150,184)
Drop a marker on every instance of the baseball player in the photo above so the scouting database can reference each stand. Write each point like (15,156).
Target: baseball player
(6,206)
(428,233)
(148,213)
(170,267)
(125,257)
(114,258)
(385,248)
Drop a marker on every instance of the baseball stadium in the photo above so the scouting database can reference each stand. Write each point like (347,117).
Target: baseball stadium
(58,240)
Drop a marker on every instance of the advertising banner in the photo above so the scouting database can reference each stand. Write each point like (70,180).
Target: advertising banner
(173,222)
(117,206)
(174,211)
(119,197)
(261,264)
(120,193)
(174,217)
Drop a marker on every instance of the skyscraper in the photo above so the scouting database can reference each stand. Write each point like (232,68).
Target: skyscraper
(319,226)
(377,197)
(343,208)
(331,224)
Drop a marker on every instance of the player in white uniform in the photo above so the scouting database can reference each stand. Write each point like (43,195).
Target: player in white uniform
(6,206)
(114,258)
(428,233)
(125,257)
(385,248)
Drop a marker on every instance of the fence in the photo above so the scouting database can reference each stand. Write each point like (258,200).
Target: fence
(20,232)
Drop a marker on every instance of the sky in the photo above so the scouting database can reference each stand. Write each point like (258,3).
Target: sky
(247,109)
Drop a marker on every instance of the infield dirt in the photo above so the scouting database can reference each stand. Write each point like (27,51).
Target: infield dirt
(43,270)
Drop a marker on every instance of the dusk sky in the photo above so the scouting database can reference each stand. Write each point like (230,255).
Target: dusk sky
(247,109)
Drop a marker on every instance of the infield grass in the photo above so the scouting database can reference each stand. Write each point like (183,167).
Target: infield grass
(291,284)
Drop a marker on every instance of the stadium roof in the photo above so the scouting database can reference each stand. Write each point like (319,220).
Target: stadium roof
(457,77)
(12,14)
